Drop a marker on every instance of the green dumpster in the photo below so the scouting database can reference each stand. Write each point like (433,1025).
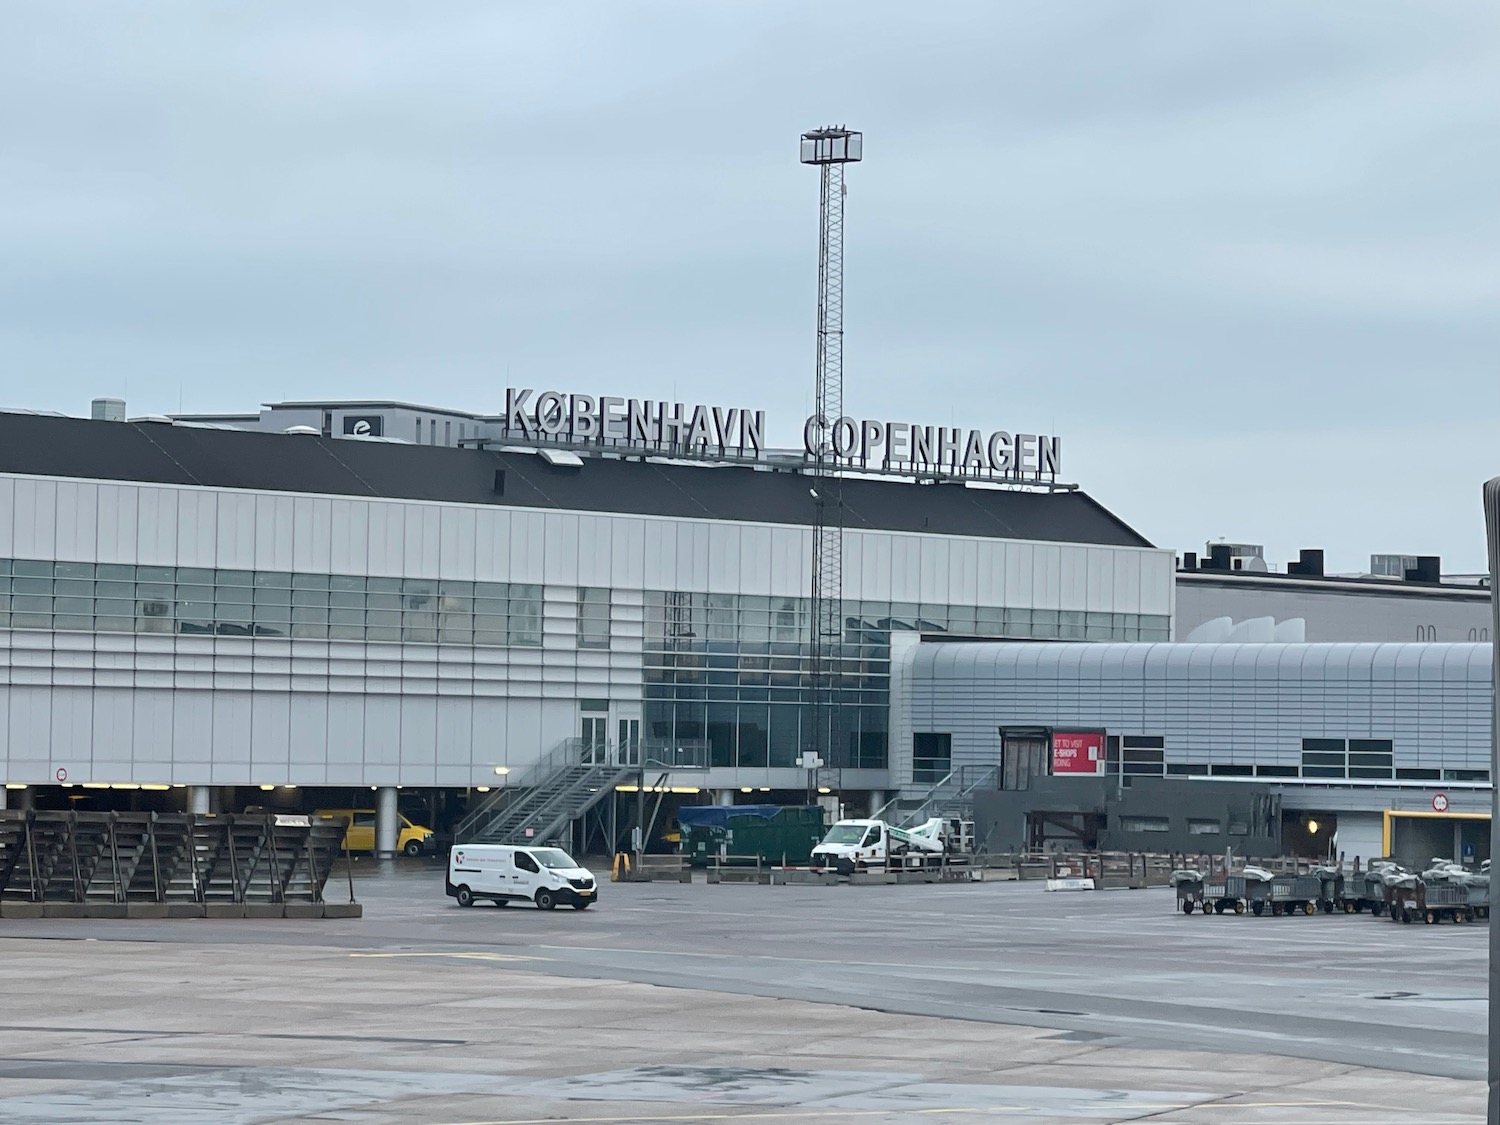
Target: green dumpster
(771,832)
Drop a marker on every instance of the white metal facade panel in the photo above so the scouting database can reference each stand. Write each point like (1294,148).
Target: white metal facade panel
(234,710)
(1245,704)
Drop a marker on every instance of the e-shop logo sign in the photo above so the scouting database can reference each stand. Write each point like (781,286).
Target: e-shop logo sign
(364,425)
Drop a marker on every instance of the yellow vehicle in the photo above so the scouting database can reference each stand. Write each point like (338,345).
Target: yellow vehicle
(412,839)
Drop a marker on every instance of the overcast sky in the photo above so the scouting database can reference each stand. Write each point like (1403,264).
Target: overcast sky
(1244,258)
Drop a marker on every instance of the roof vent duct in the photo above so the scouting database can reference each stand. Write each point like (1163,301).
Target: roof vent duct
(107,410)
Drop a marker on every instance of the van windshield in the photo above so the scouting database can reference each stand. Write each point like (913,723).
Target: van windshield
(845,834)
(553,857)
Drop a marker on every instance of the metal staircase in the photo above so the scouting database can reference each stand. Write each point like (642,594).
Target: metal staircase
(953,796)
(563,785)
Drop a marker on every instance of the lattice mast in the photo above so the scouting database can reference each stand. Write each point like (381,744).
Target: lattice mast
(830,149)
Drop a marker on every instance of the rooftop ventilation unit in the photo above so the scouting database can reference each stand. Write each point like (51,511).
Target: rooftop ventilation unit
(562,458)
(313,430)
(107,410)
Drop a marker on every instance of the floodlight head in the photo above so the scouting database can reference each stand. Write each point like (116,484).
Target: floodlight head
(832,145)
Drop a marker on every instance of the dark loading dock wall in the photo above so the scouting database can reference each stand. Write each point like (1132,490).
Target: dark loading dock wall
(1150,815)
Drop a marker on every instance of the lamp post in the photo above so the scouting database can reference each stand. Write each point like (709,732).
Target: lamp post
(829,149)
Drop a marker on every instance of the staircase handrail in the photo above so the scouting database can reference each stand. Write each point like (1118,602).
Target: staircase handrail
(544,808)
(964,781)
(607,776)
(566,753)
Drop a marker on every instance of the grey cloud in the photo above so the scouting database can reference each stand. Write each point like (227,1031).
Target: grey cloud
(1151,221)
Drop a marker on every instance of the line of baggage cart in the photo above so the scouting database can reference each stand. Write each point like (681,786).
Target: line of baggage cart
(1444,892)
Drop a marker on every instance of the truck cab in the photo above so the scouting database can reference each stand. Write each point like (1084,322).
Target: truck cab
(852,845)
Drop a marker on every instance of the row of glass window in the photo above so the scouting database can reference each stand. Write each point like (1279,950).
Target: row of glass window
(108,597)
(774,734)
(677,619)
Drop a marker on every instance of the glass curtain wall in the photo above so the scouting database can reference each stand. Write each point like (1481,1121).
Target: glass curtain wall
(733,669)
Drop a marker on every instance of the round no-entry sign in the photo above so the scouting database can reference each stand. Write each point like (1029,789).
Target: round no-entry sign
(62,774)
(1440,802)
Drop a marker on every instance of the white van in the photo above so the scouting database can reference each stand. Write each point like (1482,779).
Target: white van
(504,874)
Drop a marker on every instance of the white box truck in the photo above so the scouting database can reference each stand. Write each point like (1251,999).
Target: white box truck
(504,873)
(869,845)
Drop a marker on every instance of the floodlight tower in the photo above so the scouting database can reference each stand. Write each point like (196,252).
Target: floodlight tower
(830,149)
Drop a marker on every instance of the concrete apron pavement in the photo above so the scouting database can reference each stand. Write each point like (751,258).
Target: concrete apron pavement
(133,1033)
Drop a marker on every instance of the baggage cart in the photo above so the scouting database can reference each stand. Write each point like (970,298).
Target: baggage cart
(1295,894)
(1430,904)
(1189,892)
(1479,901)
(1367,893)
(1331,897)
(1228,894)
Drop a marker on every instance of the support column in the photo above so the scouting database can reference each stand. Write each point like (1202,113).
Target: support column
(385,823)
(4,793)
(26,798)
(723,796)
(200,800)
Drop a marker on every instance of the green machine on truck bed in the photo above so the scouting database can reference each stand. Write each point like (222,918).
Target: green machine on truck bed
(772,832)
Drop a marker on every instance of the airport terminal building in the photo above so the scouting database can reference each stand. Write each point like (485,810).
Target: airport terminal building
(301,605)
(195,603)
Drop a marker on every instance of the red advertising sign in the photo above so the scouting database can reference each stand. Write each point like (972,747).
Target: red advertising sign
(1077,752)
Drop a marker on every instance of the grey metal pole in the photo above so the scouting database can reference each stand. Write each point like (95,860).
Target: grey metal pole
(1492,521)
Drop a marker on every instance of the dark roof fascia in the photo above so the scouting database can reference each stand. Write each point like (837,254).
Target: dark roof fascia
(1380,587)
(161,453)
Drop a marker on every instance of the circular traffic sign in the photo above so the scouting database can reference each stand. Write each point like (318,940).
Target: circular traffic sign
(1440,802)
(62,774)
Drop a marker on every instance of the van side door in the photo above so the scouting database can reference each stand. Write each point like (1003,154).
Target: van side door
(361,835)
(528,874)
(874,845)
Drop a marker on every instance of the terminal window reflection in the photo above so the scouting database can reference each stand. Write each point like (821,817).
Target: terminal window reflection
(118,598)
(733,669)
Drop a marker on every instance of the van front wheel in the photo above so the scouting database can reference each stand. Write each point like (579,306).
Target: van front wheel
(464,896)
(545,901)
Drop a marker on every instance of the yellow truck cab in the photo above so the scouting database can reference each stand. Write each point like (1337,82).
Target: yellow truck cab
(412,839)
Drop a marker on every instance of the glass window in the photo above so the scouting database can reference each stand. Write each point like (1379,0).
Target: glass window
(1145,824)
(32,569)
(525,627)
(932,757)
(1323,757)
(593,617)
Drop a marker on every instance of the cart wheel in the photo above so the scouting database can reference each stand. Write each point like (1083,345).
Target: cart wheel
(1377,909)
(1220,907)
(1187,906)
(1257,908)
(1310,908)
(1239,907)
(1458,916)
(1398,914)
(1431,918)
(1350,908)
(1327,906)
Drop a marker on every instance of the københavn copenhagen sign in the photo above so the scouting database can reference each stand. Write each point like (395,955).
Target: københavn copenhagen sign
(689,430)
